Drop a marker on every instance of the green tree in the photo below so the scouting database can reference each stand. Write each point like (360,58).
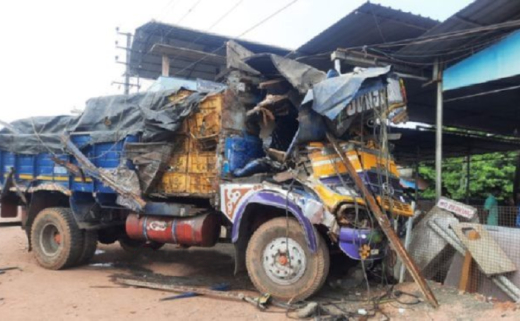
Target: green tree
(486,172)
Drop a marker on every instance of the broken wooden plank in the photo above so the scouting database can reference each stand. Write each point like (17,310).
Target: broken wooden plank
(485,250)
(466,271)
(386,226)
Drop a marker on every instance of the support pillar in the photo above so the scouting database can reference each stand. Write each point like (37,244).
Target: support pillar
(127,70)
(437,76)
(516,182)
(165,66)
(468,175)
(337,65)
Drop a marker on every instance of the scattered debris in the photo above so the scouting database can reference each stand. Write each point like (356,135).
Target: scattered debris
(3,270)
(362,312)
(481,248)
(443,230)
(257,302)
(430,251)
(308,310)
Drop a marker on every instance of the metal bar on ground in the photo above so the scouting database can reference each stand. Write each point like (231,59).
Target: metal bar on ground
(184,289)
(386,226)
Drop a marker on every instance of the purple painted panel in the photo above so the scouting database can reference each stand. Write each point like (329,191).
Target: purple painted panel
(350,240)
(271,198)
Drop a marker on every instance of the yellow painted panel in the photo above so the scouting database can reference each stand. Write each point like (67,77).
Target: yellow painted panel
(330,164)
(212,102)
(333,199)
(201,183)
(179,163)
(202,162)
(173,183)
(396,207)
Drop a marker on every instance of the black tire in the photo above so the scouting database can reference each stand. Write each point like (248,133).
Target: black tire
(57,240)
(90,239)
(310,276)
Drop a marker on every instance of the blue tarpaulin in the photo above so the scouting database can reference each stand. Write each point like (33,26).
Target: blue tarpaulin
(332,95)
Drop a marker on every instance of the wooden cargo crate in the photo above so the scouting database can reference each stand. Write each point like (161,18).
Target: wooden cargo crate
(192,168)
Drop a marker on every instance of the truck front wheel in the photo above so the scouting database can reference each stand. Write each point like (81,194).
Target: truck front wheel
(280,263)
(57,241)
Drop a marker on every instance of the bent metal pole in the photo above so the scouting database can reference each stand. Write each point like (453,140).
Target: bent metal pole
(386,226)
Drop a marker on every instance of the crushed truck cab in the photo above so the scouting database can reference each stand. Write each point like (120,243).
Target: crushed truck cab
(246,161)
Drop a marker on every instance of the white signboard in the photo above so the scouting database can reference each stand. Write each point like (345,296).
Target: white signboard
(456,208)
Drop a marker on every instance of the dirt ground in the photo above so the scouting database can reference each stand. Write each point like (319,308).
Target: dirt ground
(89,293)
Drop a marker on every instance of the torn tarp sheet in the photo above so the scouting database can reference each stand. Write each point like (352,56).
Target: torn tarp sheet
(235,55)
(301,76)
(105,119)
(332,95)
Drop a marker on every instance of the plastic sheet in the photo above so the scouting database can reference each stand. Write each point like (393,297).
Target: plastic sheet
(106,119)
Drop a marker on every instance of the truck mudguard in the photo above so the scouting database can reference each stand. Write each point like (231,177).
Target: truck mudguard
(275,199)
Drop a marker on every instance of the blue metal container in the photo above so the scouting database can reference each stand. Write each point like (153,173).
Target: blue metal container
(241,150)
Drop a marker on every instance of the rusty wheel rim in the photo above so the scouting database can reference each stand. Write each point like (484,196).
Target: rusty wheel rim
(50,239)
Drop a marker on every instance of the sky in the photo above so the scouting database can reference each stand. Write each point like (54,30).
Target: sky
(56,54)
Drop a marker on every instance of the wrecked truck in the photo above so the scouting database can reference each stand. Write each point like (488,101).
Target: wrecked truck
(247,162)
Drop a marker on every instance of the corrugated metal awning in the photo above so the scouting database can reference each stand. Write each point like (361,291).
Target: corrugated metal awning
(184,46)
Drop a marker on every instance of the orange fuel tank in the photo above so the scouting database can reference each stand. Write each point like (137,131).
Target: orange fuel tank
(202,230)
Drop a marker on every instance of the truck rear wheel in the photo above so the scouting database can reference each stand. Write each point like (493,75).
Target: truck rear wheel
(90,239)
(57,240)
(280,263)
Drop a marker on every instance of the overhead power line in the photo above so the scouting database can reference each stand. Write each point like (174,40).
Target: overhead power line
(258,24)
(446,36)
(220,19)
(190,10)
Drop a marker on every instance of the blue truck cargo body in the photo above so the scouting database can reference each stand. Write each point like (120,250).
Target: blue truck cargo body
(33,170)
